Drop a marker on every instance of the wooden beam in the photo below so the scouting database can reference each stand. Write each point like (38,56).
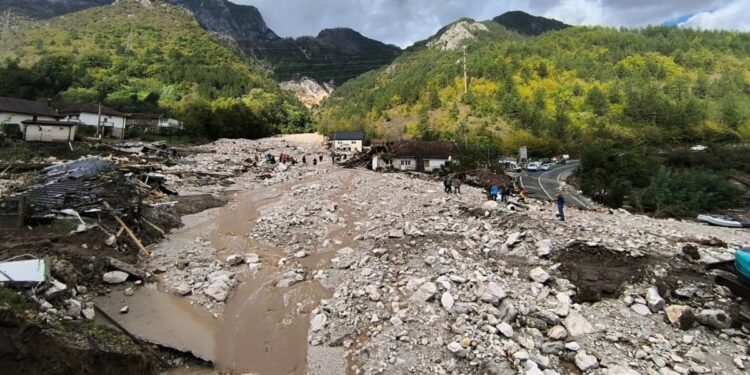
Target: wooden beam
(130,232)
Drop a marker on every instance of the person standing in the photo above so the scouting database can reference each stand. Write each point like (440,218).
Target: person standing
(304,160)
(493,193)
(446,185)
(456,184)
(560,207)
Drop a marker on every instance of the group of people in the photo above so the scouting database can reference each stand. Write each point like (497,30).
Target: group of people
(502,193)
(452,185)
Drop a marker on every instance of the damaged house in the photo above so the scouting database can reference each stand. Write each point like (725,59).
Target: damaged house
(111,123)
(36,121)
(348,141)
(422,156)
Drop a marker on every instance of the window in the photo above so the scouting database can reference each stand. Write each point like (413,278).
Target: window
(405,162)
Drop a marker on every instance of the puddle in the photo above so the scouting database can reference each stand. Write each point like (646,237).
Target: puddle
(164,319)
(598,272)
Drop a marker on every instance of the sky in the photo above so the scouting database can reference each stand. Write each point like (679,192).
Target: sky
(403,22)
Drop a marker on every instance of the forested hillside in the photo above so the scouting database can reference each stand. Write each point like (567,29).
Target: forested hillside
(138,56)
(643,91)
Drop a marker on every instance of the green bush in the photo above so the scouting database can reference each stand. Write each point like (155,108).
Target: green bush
(687,193)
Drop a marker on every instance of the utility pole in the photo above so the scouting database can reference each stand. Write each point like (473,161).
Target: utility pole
(6,25)
(466,75)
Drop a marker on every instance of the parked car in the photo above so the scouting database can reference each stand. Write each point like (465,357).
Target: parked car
(533,167)
(546,167)
(511,166)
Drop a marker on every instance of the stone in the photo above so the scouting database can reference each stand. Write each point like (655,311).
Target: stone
(577,325)
(585,361)
(124,310)
(490,206)
(234,260)
(396,233)
(372,293)
(447,301)
(491,293)
(115,277)
(183,289)
(557,333)
(318,322)
(680,316)
(620,370)
(89,313)
(506,312)
(552,347)
(655,302)
(252,258)
(539,275)
(714,318)
(640,309)
(543,248)
(456,349)
(300,254)
(127,268)
(55,290)
(505,329)
(573,346)
(563,304)
(223,275)
(218,290)
(424,293)
(738,363)
(74,308)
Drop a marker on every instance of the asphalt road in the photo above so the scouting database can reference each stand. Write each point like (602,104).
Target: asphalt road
(545,184)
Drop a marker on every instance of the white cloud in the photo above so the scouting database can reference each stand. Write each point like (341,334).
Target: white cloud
(732,16)
(403,22)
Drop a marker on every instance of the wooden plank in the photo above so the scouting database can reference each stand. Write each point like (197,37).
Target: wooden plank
(129,232)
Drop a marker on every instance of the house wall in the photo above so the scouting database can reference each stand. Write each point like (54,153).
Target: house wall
(405,164)
(347,145)
(116,123)
(49,133)
(17,118)
(434,164)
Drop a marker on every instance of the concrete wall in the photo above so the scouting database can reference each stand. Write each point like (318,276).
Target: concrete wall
(49,133)
(347,145)
(17,118)
(410,164)
(405,164)
(114,126)
(435,164)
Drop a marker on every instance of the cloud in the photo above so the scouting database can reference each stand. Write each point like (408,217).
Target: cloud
(732,16)
(403,22)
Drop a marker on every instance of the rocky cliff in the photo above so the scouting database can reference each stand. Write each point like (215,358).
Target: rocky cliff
(308,91)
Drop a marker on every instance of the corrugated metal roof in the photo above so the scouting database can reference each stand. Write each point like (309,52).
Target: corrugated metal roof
(348,136)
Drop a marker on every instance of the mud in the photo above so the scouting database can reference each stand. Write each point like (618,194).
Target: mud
(193,204)
(164,319)
(599,272)
(29,347)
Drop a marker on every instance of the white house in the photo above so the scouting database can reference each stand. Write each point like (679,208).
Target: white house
(348,141)
(48,131)
(112,122)
(16,111)
(422,156)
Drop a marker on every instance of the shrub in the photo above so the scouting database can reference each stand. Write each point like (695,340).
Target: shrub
(687,193)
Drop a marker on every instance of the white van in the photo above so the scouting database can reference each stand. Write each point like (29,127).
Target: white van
(533,167)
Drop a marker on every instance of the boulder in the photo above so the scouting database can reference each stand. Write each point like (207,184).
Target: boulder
(491,293)
(539,275)
(456,349)
(447,301)
(577,325)
(234,260)
(74,308)
(490,206)
(543,248)
(505,329)
(318,322)
(557,333)
(654,300)
(424,293)
(714,318)
(585,361)
(640,309)
(218,290)
(89,313)
(115,277)
(680,316)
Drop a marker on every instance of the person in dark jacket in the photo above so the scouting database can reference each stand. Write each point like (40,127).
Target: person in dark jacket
(447,184)
(560,207)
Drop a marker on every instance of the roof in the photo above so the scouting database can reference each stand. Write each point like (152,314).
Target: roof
(145,116)
(49,123)
(425,149)
(93,108)
(28,107)
(348,136)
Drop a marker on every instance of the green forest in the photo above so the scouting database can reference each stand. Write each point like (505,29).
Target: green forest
(628,102)
(138,58)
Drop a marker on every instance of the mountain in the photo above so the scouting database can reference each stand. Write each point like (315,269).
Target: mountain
(334,55)
(49,8)
(526,24)
(146,55)
(240,22)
